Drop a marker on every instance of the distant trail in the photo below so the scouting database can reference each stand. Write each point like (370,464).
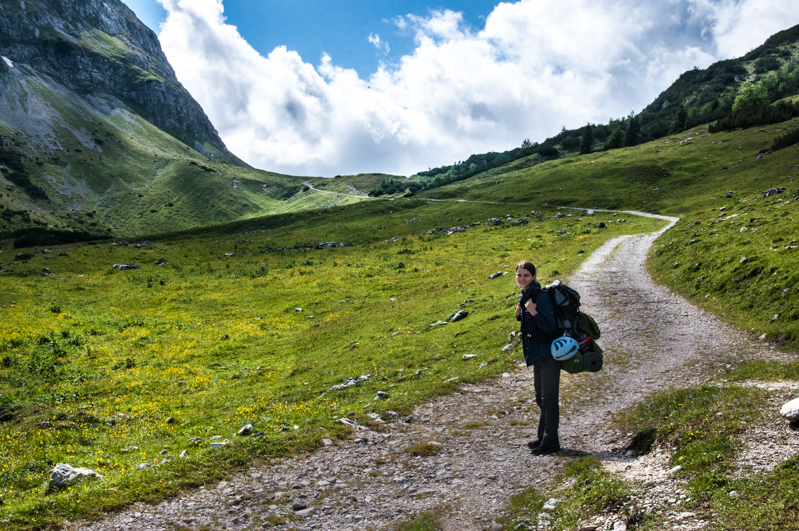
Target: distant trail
(311,186)
(653,340)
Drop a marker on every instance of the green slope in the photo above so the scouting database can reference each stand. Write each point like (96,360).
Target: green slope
(689,175)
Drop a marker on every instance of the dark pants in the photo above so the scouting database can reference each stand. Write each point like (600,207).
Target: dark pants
(546,377)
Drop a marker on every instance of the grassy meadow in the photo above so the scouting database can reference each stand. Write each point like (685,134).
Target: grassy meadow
(110,369)
(689,176)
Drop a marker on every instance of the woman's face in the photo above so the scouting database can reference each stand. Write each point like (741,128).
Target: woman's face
(524,278)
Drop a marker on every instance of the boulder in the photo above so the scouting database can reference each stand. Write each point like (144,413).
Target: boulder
(460,316)
(790,410)
(63,475)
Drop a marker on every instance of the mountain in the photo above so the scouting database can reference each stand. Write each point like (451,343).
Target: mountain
(98,138)
(99,48)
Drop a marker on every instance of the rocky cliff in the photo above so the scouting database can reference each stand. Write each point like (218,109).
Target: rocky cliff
(100,46)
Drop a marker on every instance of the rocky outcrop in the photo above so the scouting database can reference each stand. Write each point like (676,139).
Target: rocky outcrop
(100,45)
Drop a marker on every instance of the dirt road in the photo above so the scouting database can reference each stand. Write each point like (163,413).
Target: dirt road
(653,340)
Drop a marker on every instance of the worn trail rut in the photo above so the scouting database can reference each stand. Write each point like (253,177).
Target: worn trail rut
(653,340)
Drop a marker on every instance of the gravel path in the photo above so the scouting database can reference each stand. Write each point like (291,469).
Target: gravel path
(653,340)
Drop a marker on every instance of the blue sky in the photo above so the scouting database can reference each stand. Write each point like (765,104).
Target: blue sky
(307,87)
(339,28)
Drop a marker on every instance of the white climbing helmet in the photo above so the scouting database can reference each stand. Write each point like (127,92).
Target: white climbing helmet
(564,348)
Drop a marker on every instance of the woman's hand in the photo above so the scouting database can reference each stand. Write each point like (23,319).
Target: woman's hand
(530,305)
(518,309)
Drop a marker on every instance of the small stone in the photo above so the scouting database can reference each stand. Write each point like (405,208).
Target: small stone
(144,466)
(742,260)
(467,357)
(675,469)
(327,442)
(160,262)
(733,494)
(550,504)
(246,431)
(125,267)
(381,395)
(184,453)
(170,420)
(298,506)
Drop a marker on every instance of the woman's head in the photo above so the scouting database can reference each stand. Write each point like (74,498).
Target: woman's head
(525,274)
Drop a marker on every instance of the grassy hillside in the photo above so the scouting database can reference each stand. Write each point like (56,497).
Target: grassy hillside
(91,356)
(689,175)
(105,369)
(83,167)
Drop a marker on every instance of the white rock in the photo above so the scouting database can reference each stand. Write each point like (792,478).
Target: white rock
(245,430)
(790,410)
(507,348)
(550,504)
(63,474)
(467,357)
(675,469)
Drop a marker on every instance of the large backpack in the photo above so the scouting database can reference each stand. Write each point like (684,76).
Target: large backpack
(571,322)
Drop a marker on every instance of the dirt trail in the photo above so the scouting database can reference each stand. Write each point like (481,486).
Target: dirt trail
(653,340)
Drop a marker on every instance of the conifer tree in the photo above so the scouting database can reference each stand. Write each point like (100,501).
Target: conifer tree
(633,134)
(587,140)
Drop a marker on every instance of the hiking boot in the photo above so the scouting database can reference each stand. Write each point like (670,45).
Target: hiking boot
(544,450)
(534,444)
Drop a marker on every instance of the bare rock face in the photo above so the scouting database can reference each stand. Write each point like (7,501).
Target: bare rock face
(94,46)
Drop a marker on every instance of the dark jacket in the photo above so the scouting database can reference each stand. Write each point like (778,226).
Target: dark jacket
(537,331)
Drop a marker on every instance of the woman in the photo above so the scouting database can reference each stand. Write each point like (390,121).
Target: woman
(538,327)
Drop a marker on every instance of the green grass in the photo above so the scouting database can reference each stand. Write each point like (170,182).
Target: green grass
(701,256)
(94,362)
(427,521)
(702,427)
(589,491)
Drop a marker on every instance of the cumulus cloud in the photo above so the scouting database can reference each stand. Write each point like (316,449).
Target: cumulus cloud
(741,25)
(536,66)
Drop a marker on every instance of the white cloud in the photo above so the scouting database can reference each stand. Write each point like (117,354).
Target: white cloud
(537,65)
(381,45)
(741,25)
